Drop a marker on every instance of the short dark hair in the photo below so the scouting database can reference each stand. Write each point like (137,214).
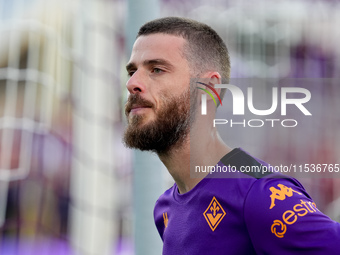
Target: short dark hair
(204,50)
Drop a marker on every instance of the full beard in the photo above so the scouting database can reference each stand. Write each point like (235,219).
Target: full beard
(170,129)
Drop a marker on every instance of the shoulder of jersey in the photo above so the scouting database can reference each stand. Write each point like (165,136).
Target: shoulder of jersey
(239,159)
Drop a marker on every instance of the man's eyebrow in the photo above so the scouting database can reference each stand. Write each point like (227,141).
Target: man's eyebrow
(130,66)
(149,62)
(159,62)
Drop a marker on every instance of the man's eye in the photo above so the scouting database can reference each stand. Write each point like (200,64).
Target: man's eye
(131,73)
(157,70)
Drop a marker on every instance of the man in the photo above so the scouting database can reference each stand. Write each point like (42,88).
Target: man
(241,214)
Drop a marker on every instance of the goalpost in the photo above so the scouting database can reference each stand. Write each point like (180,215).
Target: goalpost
(94,189)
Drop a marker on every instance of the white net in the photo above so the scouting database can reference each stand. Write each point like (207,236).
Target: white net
(60,126)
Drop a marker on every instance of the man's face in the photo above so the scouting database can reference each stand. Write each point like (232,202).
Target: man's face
(158,109)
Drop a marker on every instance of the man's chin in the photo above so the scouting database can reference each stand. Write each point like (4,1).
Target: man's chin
(139,120)
(137,138)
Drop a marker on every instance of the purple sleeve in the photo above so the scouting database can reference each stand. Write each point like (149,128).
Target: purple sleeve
(281,218)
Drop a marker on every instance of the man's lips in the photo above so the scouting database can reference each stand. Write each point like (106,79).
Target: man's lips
(136,108)
(136,103)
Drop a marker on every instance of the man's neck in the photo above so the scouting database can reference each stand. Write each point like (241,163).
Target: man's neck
(179,161)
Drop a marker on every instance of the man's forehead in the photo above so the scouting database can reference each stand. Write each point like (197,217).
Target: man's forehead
(157,46)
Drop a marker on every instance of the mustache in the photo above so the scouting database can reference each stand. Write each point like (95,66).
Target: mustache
(136,99)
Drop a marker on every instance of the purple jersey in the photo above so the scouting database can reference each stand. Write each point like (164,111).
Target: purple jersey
(245,214)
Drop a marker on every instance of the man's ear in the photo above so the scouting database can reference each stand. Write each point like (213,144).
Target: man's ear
(210,79)
(215,78)
(207,86)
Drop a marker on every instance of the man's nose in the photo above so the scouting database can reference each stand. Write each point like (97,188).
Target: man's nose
(136,83)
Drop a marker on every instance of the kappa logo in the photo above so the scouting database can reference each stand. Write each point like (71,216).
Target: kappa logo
(280,193)
(166,220)
(214,214)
